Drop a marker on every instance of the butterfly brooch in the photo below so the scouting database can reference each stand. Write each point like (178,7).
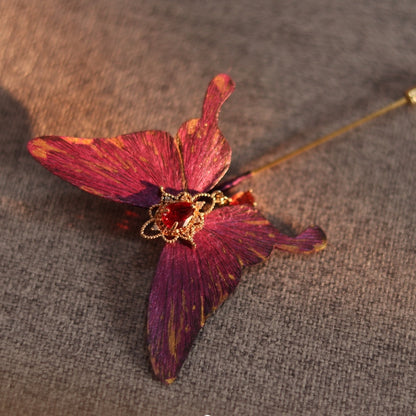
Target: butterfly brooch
(210,236)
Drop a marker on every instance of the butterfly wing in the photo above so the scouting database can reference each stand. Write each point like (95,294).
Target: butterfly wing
(191,283)
(311,240)
(128,168)
(131,168)
(205,152)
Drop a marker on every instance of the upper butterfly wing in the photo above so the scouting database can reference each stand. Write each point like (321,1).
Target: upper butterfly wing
(190,283)
(131,168)
(128,168)
(205,152)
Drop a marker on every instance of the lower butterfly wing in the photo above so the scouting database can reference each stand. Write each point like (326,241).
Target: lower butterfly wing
(191,283)
(310,241)
(129,168)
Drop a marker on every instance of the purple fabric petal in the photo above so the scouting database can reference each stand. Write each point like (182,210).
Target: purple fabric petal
(243,232)
(128,168)
(311,240)
(205,152)
(190,283)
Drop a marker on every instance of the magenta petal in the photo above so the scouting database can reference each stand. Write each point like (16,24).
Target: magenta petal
(190,283)
(311,240)
(243,231)
(206,153)
(178,299)
(128,168)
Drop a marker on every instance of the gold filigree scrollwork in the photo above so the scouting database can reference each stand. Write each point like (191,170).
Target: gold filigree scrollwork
(180,216)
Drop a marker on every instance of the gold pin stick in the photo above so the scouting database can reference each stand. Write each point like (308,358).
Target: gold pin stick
(409,98)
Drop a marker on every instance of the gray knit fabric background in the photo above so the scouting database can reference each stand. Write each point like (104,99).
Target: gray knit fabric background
(329,334)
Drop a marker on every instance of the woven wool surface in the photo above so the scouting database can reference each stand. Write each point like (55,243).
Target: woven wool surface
(333,333)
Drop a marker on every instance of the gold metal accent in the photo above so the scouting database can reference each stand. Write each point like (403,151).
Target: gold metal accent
(202,205)
(411,95)
(410,98)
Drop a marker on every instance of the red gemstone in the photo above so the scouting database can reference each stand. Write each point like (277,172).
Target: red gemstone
(180,212)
